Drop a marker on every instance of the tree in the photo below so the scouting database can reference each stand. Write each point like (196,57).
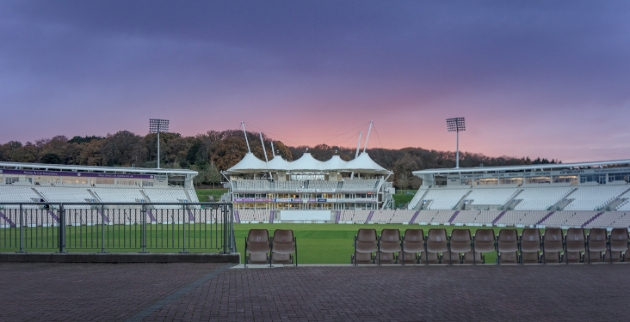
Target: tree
(50,158)
(122,149)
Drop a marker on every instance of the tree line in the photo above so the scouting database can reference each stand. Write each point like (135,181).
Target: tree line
(215,151)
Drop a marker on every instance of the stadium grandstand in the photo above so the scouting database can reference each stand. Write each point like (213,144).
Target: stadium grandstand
(32,182)
(307,190)
(585,195)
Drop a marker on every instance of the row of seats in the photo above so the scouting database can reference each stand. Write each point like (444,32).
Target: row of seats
(253,215)
(73,194)
(545,218)
(581,197)
(277,249)
(461,247)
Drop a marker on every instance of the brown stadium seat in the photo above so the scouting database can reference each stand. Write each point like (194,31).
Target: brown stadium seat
(530,246)
(507,246)
(575,245)
(553,244)
(551,257)
(437,242)
(616,256)
(451,258)
(409,258)
(574,257)
(389,243)
(283,244)
(596,242)
(430,258)
(365,242)
(596,257)
(279,258)
(412,245)
(618,241)
(257,247)
(508,257)
(362,258)
(460,243)
(483,242)
(257,259)
(386,258)
(469,259)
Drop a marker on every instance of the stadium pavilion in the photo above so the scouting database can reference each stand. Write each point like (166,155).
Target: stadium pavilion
(33,182)
(307,189)
(586,194)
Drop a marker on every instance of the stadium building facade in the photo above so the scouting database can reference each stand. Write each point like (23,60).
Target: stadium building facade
(307,189)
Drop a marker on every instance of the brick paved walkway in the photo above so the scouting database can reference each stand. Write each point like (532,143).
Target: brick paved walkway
(88,292)
(191,292)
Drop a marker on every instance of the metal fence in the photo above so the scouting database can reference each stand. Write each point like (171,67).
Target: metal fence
(117,227)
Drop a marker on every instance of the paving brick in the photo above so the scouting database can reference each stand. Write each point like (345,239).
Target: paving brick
(115,292)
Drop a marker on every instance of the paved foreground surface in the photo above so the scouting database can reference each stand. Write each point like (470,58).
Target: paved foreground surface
(134,292)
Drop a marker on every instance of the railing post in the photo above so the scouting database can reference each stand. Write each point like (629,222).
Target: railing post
(103,230)
(62,229)
(231,231)
(184,214)
(225,228)
(21,230)
(143,241)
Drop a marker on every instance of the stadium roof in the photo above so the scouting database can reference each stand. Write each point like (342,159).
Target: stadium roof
(362,164)
(83,168)
(528,167)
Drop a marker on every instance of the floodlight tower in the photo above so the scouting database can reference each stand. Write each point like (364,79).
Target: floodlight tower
(157,126)
(456,124)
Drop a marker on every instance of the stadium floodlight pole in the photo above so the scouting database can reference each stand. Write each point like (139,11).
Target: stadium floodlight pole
(456,124)
(157,126)
(367,137)
(245,133)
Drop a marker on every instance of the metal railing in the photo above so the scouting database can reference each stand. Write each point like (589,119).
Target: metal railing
(117,227)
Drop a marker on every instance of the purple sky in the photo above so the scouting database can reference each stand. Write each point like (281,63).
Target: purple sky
(535,78)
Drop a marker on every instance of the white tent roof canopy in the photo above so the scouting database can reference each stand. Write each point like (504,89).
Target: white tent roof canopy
(307,164)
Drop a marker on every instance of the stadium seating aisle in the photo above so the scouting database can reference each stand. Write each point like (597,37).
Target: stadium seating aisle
(594,197)
(166,195)
(118,194)
(66,194)
(253,215)
(491,196)
(466,217)
(360,216)
(413,204)
(445,198)
(17,194)
(402,216)
(541,198)
(569,218)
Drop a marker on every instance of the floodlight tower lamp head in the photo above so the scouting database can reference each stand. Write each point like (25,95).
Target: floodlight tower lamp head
(456,124)
(157,126)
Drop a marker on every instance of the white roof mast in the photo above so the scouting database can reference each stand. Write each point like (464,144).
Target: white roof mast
(245,133)
(358,144)
(367,137)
